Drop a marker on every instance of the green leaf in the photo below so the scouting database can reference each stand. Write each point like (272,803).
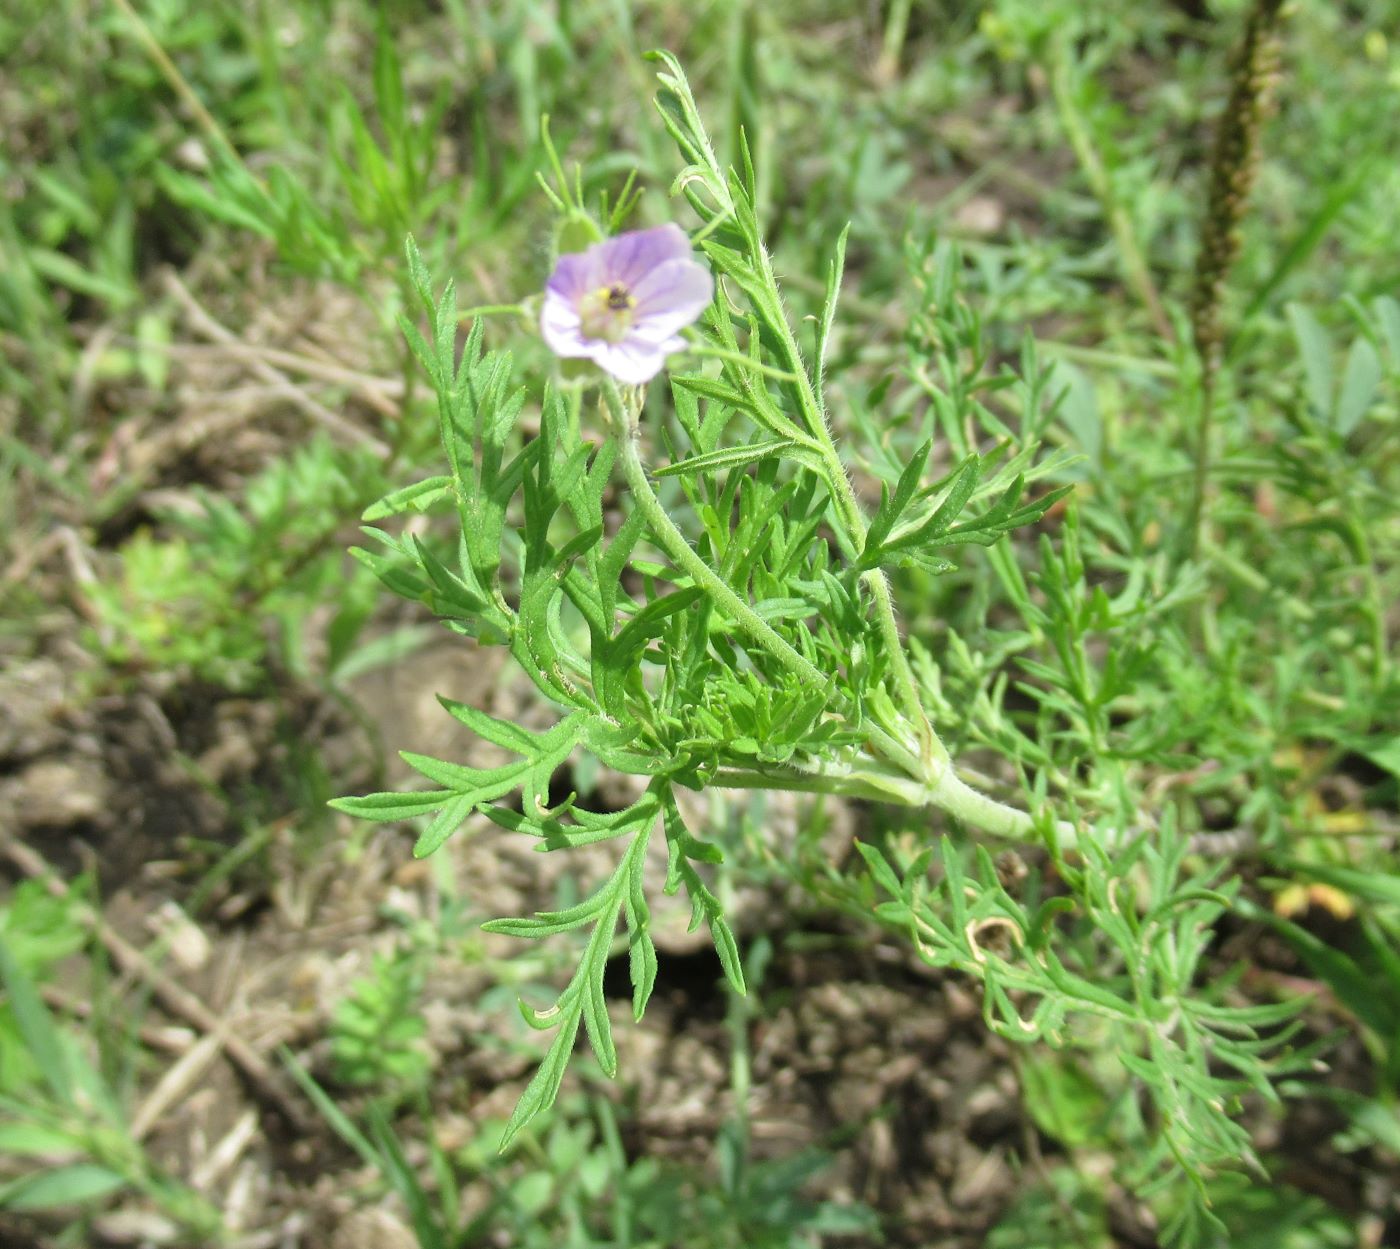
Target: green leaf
(880,869)
(63,1186)
(36,1026)
(682,847)
(1313,232)
(1066,1104)
(1373,886)
(590,976)
(726,458)
(540,1093)
(892,506)
(828,314)
(548,923)
(1359,382)
(444,824)
(1387,312)
(36,1140)
(65,271)
(389,807)
(499,732)
(1316,352)
(419,497)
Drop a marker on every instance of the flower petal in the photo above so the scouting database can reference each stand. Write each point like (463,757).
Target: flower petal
(670,297)
(573,275)
(628,258)
(559,324)
(631,361)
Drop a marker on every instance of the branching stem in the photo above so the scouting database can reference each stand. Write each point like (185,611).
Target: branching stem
(678,547)
(928,778)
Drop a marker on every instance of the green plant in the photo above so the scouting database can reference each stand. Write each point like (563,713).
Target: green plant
(377,1029)
(774,660)
(68,1128)
(200,600)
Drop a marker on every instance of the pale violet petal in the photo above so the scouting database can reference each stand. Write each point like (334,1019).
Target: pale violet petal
(574,275)
(670,297)
(628,258)
(559,324)
(631,362)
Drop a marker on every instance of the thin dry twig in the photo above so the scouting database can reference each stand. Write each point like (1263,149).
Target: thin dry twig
(172,1039)
(179,1001)
(181,1079)
(379,392)
(226,1153)
(203,323)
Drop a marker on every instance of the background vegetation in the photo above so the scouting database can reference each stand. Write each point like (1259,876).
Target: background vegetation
(232,1016)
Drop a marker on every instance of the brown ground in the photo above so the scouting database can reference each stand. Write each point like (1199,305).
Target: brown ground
(150,780)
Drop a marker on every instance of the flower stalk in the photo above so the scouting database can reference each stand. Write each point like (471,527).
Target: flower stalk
(1234,167)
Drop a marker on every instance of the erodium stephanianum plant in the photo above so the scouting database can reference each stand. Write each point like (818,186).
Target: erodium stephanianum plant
(730,623)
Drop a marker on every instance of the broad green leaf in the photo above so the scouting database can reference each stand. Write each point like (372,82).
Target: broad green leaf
(63,1186)
(1315,349)
(37,1027)
(1360,380)
(36,1140)
(1387,310)
(1065,1102)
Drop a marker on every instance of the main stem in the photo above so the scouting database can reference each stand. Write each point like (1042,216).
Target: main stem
(933,781)
(680,550)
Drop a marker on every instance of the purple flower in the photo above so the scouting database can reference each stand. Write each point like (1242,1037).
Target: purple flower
(623,302)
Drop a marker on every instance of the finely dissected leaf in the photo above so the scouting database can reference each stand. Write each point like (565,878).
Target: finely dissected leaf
(444,824)
(466,788)
(682,848)
(892,506)
(548,923)
(641,950)
(388,807)
(500,732)
(582,827)
(595,1005)
(543,1088)
(419,497)
(828,313)
(726,458)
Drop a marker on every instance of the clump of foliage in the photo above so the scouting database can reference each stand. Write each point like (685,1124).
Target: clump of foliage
(226,589)
(756,645)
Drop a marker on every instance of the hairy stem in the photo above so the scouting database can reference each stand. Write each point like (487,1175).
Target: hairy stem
(928,778)
(678,547)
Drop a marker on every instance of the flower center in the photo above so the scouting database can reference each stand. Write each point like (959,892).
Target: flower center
(607,313)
